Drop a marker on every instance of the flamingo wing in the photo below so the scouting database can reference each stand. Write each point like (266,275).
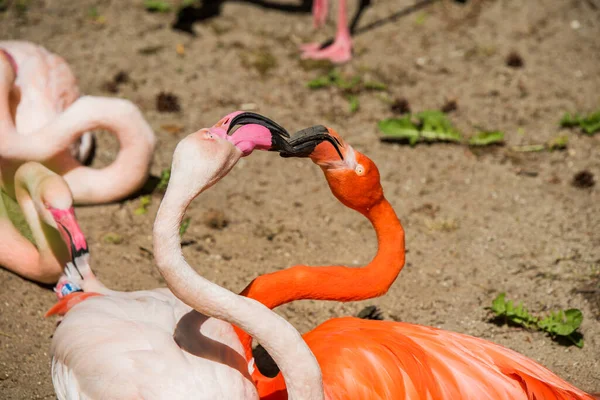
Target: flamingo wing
(362,359)
(123,347)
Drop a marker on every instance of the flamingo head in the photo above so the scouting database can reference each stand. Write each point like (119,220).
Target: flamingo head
(209,153)
(353,178)
(54,203)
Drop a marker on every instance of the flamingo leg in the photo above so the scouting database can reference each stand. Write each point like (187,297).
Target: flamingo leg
(340,51)
(319,10)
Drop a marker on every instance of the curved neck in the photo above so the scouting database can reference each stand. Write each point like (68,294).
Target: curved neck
(48,241)
(50,145)
(16,252)
(338,283)
(297,363)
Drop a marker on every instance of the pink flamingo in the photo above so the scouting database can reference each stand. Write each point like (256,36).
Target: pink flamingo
(178,344)
(381,359)
(340,51)
(43,119)
(47,207)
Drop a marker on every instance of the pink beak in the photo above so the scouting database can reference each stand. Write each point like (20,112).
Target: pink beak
(70,231)
(256,132)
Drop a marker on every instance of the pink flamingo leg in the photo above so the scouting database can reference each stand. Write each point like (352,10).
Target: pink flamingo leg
(340,51)
(319,10)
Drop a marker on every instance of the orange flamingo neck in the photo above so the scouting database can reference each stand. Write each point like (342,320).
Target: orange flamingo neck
(337,283)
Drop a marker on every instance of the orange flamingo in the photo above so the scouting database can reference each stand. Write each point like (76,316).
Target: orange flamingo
(363,359)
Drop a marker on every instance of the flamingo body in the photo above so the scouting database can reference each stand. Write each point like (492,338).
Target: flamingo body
(382,360)
(44,119)
(364,359)
(137,337)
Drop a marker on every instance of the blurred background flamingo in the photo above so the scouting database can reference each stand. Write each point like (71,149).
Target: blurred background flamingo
(44,119)
(33,231)
(158,344)
(380,359)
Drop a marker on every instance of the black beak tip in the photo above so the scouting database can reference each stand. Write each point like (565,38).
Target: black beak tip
(246,118)
(304,142)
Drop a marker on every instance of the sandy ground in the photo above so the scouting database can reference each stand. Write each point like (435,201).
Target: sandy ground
(477,223)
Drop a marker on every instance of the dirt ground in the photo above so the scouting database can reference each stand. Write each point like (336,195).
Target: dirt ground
(477,222)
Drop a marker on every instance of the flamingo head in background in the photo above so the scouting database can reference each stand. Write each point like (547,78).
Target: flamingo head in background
(53,202)
(353,178)
(56,210)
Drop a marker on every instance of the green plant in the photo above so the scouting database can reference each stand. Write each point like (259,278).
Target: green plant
(558,324)
(487,138)
(145,202)
(353,84)
(432,126)
(589,123)
(184,226)
(349,86)
(558,143)
(165,175)
(157,6)
(354,104)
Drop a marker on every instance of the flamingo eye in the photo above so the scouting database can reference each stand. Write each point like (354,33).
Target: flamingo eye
(360,170)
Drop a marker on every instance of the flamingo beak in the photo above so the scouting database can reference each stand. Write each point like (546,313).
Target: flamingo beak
(317,142)
(71,233)
(256,132)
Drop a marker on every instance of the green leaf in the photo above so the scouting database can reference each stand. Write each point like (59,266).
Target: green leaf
(165,175)
(157,6)
(589,123)
(558,143)
(487,138)
(568,120)
(93,12)
(184,226)
(113,238)
(529,148)
(577,339)
(574,317)
(318,83)
(353,103)
(436,127)
(375,85)
(399,129)
(498,304)
(556,324)
(347,84)
(420,20)
(144,204)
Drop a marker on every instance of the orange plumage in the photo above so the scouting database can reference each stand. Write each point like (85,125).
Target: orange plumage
(363,359)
